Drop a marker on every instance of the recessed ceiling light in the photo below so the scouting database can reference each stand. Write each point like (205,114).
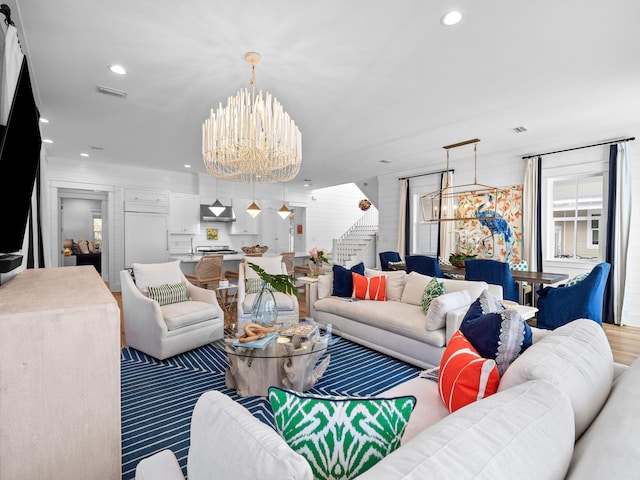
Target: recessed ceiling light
(47,140)
(186,165)
(451,18)
(43,120)
(385,161)
(118,69)
(84,154)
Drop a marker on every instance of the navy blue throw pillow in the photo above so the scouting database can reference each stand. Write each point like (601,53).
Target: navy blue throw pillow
(342,281)
(501,335)
(485,303)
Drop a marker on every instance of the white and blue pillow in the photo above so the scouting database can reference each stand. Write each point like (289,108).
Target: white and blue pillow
(495,332)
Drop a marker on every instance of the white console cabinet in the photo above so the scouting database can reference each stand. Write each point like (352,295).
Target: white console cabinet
(59,376)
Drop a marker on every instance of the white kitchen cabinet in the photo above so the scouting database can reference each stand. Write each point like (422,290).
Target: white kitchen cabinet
(184,213)
(146,238)
(151,201)
(274,231)
(244,224)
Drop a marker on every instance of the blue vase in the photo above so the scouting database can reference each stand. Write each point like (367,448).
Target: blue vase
(264,311)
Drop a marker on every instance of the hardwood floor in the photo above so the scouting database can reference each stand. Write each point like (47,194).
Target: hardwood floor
(624,341)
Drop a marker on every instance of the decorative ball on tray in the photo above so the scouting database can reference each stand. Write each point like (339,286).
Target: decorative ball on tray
(253,249)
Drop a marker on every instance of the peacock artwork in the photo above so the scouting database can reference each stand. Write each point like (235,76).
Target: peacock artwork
(496,236)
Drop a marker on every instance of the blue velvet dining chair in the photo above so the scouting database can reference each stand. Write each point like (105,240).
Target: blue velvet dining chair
(560,305)
(386,257)
(495,273)
(424,264)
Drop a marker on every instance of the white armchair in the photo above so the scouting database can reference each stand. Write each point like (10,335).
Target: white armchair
(173,328)
(288,306)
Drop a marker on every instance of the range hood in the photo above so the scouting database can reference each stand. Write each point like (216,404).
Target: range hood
(228,215)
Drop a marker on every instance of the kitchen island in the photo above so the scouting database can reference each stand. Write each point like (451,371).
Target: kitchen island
(188,261)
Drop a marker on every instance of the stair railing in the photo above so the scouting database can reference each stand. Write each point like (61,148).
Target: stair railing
(356,237)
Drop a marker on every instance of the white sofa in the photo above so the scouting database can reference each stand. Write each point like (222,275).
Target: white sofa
(563,410)
(399,327)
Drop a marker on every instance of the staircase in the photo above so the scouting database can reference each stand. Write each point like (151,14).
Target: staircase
(358,243)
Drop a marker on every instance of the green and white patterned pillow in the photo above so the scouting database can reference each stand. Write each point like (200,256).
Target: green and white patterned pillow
(254,285)
(433,290)
(340,437)
(168,293)
(575,280)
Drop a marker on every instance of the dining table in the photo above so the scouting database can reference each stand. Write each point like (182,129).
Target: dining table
(535,279)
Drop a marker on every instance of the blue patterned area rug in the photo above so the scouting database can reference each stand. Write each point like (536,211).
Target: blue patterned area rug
(158,396)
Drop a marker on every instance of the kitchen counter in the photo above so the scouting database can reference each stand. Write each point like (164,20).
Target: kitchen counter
(193,258)
(188,261)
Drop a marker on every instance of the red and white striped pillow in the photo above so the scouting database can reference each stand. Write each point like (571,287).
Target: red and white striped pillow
(369,288)
(464,375)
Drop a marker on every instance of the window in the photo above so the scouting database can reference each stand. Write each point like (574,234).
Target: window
(424,235)
(576,213)
(97,230)
(593,234)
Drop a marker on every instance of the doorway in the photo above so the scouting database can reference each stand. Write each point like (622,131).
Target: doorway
(93,204)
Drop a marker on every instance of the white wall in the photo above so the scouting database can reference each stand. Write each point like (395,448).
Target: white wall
(497,170)
(331,212)
(508,169)
(88,175)
(77,218)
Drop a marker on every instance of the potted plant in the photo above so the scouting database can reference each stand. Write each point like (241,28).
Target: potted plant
(457,259)
(317,258)
(279,282)
(265,311)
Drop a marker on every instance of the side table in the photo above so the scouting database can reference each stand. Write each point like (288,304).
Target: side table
(227,296)
(308,281)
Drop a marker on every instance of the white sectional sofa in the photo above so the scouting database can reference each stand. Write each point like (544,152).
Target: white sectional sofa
(563,410)
(399,327)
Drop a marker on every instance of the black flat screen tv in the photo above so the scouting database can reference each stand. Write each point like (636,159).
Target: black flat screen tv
(19,161)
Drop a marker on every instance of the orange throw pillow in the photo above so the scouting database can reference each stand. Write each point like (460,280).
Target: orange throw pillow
(464,375)
(369,288)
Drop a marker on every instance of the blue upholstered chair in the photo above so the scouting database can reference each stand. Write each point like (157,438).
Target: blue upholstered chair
(386,257)
(424,265)
(561,305)
(494,272)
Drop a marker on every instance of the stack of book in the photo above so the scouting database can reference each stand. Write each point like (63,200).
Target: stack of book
(301,330)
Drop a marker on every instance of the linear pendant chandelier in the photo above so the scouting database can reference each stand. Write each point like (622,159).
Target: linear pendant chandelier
(442,204)
(252,138)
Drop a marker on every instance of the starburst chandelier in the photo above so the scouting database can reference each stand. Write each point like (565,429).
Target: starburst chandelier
(252,138)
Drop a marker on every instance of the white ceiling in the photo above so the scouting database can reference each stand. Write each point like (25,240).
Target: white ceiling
(365,80)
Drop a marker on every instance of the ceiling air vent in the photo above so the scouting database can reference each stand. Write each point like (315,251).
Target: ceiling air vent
(111,91)
(520,129)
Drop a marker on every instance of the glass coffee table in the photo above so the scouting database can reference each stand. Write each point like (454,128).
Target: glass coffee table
(289,362)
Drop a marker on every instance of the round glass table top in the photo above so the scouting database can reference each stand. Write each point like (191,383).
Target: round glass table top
(274,345)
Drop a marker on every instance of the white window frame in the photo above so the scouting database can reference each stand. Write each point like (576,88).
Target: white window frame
(424,235)
(573,168)
(594,215)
